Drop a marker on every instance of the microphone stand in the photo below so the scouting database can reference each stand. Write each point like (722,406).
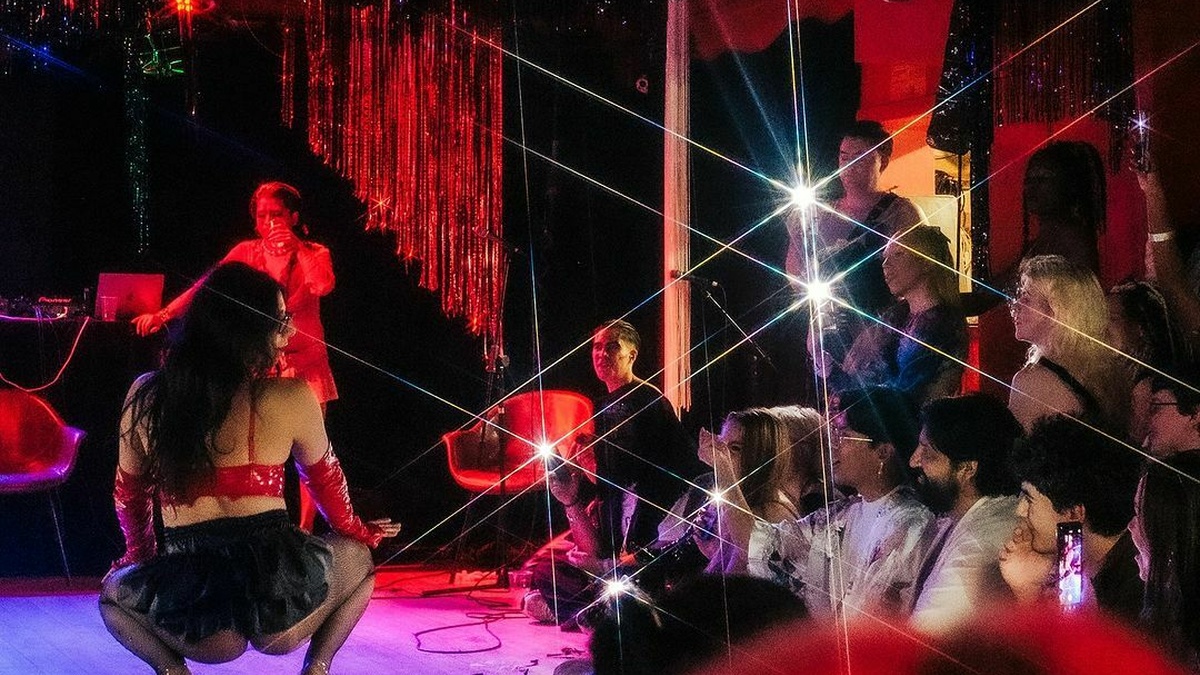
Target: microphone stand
(497,381)
(755,358)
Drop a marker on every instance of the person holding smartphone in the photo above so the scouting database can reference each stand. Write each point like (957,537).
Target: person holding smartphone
(1073,473)
(305,271)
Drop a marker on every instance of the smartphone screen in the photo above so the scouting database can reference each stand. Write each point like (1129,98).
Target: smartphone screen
(1141,139)
(1070,565)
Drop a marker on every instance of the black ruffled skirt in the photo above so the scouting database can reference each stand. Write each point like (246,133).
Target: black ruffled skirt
(256,575)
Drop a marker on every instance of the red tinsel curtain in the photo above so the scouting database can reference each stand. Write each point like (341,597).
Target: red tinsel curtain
(1063,59)
(410,110)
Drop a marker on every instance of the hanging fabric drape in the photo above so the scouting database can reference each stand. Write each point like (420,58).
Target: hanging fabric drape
(409,108)
(677,305)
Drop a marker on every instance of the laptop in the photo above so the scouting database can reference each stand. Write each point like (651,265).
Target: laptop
(134,293)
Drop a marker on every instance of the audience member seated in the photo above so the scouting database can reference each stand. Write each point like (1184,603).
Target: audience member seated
(752,454)
(805,457)
(1165,265)
(1059,309)
(1166,531)
(1174,424)
(1145,341)
(643,461)
(706,618)
(922,341)
(862,553)
(963,475)
(1070,472)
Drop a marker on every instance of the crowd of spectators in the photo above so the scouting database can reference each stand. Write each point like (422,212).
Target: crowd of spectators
(903,501)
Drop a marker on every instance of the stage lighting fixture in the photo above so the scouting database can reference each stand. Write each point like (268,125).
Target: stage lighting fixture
(716,497)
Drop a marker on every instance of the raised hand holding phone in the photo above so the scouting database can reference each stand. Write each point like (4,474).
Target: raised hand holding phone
(281,240)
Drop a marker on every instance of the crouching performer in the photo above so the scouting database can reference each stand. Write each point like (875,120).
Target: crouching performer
(206,437)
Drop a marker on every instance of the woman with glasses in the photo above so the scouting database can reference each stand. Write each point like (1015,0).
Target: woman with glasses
(860,553)
(206,436)
(1060,310)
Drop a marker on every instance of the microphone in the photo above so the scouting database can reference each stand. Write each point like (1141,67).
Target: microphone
(696,279)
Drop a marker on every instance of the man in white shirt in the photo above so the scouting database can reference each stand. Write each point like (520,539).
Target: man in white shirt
(963,475)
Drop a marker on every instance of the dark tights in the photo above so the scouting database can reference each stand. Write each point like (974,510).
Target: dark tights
(351,581)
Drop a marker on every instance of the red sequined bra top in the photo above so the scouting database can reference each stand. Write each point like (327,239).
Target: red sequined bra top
(243,480)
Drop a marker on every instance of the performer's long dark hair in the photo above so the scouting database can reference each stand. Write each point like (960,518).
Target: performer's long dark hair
(223,345)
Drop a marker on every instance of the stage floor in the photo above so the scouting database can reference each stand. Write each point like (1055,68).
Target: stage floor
(51,626)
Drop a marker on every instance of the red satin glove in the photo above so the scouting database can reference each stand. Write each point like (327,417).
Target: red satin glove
(328,485)
(133,495)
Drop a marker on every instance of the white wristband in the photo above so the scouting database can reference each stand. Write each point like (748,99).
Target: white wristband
(1159,237)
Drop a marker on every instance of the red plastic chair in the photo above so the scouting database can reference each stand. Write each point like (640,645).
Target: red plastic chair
(37,452)
(496,458)
(500,458)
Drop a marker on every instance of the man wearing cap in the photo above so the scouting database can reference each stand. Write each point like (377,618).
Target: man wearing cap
(963,475)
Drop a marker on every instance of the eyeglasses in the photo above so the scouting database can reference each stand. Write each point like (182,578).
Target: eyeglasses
(1017,302)
(1023,299)
(1173,404)
(285,323)
(837,435)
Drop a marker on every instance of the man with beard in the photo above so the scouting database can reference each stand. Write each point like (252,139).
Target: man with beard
(962,472)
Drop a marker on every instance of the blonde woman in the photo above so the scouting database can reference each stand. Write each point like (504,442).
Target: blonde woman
(1060,310)
(798,472)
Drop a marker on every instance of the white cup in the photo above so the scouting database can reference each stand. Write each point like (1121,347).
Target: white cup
(107,306)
